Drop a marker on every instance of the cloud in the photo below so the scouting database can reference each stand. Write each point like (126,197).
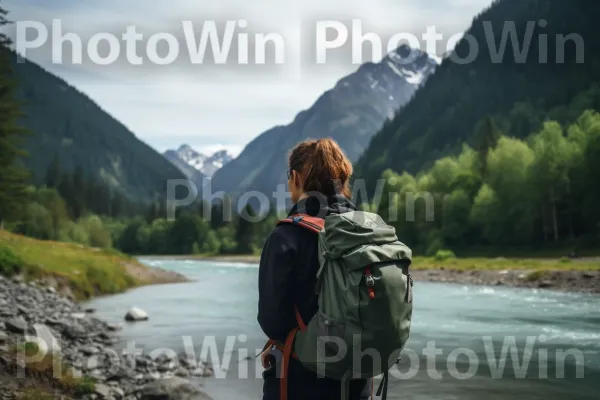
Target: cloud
(224,105)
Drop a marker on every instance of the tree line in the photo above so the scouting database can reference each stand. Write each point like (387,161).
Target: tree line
(506,192)
(71,207)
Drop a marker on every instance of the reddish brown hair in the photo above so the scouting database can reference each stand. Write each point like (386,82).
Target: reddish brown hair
(323,167)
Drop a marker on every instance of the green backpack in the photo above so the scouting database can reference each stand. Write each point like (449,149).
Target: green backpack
(365,300)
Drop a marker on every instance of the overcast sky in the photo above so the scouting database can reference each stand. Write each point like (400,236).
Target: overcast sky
(213,106)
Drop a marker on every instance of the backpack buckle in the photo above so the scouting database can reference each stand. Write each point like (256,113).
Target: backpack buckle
(370,280)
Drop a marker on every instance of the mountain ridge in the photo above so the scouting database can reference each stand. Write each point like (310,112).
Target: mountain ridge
(350,112)
(69,124)
(185,156)
(450,107)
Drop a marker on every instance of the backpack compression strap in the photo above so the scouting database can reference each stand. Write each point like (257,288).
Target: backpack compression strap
(315,225)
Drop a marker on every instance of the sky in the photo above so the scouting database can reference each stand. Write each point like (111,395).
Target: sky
(219,103)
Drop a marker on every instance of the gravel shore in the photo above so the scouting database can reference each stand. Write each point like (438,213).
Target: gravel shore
(568,280)
(82,347)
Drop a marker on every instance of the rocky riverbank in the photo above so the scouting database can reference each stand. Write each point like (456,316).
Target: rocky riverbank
(52,348)
(563,280)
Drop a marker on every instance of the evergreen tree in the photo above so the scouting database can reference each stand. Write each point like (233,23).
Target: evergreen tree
(13,177)
(486,136)
(65,189)
(244,234)
(53,173)
(78,194)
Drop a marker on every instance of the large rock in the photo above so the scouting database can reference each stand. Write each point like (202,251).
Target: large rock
(16,325)
(136,314)
(172,389)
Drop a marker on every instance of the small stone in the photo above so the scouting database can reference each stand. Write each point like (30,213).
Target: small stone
(16,325)
(78,315)
(90,310)
(52,321)
(98,376)
(172,388)
(118,392)
(113,327)
(545,284)
(23,310)
(182,373)
(89,350)
(3,337)
(102,391)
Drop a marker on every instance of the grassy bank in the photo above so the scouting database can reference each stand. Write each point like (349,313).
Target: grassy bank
(80,270)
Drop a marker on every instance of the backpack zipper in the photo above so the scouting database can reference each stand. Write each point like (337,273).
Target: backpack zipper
(370,281)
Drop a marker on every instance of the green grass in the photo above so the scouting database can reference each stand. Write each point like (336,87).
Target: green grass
(85,270)
(465,264)
(34,394)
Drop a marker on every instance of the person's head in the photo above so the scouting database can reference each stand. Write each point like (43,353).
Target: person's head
(318,166)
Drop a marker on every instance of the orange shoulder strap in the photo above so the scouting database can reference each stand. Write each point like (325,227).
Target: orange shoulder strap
(313,224)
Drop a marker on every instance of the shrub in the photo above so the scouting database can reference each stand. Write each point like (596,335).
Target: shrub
(36,223)
(98,235)
(435,245)
(10,263)
(536,275)
(565,260)
(443,255)
(85,386)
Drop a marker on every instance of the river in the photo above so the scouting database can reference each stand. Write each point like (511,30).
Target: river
(467,342)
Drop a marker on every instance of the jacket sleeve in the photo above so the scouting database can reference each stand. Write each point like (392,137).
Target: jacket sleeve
(275,287)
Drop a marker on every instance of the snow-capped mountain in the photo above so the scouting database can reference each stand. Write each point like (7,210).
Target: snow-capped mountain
(191,161)
(215,162)
(351,113)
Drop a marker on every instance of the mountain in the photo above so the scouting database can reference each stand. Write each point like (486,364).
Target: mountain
(350,113)
(518,93)
(189,160)
(215,162)
(68,124)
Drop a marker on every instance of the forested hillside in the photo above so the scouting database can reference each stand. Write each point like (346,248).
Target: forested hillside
(67,124)
(451,107)
(537,194)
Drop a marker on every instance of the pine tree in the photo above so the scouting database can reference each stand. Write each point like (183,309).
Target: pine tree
(79,192)
(13,177)
(53,173)
(486,136)
(244,234)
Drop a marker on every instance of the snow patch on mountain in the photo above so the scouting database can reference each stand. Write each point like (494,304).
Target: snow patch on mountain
(207,165)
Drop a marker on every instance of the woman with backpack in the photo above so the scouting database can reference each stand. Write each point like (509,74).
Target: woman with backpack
(328,270)
(318,180)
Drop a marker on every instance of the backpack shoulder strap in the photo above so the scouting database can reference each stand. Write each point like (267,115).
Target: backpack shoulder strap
(313,224)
